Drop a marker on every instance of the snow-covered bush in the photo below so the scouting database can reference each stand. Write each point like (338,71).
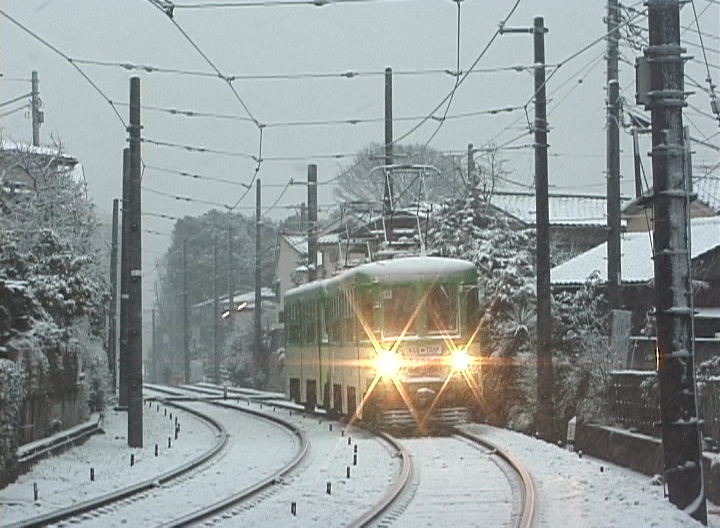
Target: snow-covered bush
(12,394)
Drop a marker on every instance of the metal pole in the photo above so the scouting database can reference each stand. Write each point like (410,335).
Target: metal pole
(135,358)
(675,344)
(260,359)
(312,222)
(37,115)
(124,285)
(112,337)
(614,265)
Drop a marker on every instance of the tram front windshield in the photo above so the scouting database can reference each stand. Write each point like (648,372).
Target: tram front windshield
(399,317)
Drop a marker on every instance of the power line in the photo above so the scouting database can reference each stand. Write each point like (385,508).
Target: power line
(64,56)
(15,100)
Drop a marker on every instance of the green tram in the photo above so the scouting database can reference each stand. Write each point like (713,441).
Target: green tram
(392,343)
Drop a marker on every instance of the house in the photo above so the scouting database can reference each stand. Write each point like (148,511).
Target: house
(638,213)
(578,222)
(21,164)
(638,275)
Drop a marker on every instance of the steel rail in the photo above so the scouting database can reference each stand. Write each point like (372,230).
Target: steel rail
(529,503)
(62,514)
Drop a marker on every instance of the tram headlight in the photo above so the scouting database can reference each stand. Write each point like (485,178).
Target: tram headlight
(460,360)
(387,364)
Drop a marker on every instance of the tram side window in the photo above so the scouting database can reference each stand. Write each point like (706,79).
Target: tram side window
(309,322)
(442,309)
(332,319)
(348,317)
(399,304)
(293,322)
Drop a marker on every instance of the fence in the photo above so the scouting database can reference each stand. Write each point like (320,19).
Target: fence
(45,414)
(635,405)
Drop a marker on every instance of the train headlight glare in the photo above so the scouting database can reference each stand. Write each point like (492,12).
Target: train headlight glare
(460,360)
(387,363)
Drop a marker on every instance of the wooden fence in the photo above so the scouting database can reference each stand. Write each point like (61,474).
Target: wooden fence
(45,414)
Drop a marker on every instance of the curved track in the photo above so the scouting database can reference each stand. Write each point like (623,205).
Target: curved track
(123,493)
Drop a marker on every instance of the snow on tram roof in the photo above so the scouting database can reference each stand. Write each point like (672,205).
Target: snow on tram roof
(394,270)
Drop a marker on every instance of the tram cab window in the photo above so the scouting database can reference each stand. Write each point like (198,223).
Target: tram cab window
(442,309)
(472,308)
(399,311)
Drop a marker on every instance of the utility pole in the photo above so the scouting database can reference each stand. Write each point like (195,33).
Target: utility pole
(37,114)
(186,313)
(544,415)
(231,275)
(389,157)
(472,182)
(614,265)
(112,331)
(216,313)
(312,222)
(155,376)
(124,285)
(135,359)
(260,359)
(679,423)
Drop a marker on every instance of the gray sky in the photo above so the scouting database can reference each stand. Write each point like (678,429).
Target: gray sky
(409,36)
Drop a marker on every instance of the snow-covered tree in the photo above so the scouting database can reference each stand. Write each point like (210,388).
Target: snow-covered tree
(52,290)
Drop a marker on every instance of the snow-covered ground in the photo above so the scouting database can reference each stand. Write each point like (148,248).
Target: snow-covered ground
(573,491)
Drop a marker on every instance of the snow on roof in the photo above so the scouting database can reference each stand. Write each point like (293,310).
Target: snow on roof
(708,191)
(297,242)
(239,297)
(11,145)
(637,263)
(565,209)
(392,270)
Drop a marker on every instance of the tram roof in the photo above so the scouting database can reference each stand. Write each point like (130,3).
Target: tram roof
(393,271)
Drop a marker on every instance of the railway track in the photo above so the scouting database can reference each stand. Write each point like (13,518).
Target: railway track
(103,501)
(402,494)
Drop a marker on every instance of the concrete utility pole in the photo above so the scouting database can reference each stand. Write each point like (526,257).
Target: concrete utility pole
(135,350)
(216,313)
(673,295)
(545,374)
(37,114)
(186,313)
(260,358)
(112,330)
(312,222)
(389,156)
(155,376)
(124,285)
(231,275)
(614,266)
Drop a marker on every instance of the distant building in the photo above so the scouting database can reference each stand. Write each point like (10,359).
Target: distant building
(21,164)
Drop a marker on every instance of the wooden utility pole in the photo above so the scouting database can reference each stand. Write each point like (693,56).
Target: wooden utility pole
(312,222)
(614,266)
(135,359)
(471,180)
(260,358)
(37,114)
(186,313)
(673,295)
(155,377)
(231,275)
(124,285)
(544,413)
(112,330)
(216,314)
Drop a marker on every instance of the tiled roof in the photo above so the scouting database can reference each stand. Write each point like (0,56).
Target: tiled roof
(708,191)
(635,248)
(565,209)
